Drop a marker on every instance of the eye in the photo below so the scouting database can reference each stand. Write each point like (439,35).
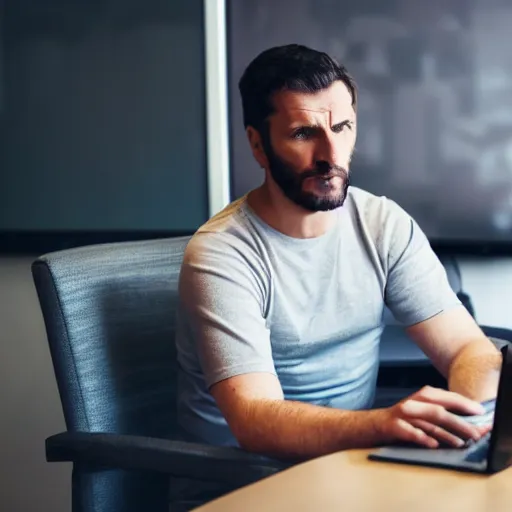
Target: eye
(303,133)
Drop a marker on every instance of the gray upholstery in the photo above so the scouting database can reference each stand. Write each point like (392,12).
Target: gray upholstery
(109,314)
(116,373)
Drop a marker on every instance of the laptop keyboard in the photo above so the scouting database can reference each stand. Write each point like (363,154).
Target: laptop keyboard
(486,418)
(482,419)
(477,451)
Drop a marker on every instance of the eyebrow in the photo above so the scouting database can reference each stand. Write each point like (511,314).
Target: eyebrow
(343,123)
(316,126)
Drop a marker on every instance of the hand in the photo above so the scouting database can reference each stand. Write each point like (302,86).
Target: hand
(429,417)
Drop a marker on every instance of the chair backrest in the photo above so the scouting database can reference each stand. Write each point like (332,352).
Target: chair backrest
(110,314)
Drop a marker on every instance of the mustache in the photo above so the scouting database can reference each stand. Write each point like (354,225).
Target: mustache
(325,169)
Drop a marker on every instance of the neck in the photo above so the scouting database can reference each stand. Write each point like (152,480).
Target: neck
(280,213)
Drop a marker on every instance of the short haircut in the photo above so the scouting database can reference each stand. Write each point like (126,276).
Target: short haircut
(292,67)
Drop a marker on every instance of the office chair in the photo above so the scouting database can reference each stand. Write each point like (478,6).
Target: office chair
(109,312)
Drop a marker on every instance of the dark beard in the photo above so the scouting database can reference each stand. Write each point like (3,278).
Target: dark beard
(290,182)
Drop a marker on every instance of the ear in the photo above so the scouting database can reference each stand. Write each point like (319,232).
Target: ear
(257,147)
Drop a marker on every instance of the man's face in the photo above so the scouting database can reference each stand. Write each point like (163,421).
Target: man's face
(311,140)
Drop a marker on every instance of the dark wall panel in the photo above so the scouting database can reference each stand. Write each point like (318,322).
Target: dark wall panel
(102,116)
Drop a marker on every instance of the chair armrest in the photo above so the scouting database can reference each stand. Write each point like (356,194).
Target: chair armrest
(177,458)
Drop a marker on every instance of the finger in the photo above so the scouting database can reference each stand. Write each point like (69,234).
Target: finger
(437,415)
(439,433)
(407,432)
(484,429)
(449,400)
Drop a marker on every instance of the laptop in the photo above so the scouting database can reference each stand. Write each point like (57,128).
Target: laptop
(490,454)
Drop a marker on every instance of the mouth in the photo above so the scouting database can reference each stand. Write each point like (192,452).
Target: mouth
(323,183)
(327,177)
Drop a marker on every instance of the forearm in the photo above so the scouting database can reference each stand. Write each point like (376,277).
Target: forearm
(475,371)
(287,429)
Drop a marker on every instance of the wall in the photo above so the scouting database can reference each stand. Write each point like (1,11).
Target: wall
(30,408)
(489,283)
(109,96)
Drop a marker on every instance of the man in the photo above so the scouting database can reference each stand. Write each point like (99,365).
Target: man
(282,293)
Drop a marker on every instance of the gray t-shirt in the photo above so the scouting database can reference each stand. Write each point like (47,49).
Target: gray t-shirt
(307,310)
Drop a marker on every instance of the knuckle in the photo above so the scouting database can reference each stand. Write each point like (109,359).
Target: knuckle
(394,425)
(392,428)
(437,412)
(404,407)
(426,390)
(437,430)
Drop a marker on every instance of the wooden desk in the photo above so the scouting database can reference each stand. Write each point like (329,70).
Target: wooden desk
(348,482)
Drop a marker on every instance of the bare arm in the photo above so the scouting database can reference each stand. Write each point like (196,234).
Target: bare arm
(461,352)
(263,422)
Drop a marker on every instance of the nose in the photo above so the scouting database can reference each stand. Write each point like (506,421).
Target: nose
(331,152)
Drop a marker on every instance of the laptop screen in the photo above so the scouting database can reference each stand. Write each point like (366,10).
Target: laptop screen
(501,440)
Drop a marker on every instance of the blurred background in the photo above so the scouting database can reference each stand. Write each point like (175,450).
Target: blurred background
(435,101)
(106,134)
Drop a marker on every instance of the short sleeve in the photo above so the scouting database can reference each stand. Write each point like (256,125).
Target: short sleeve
(223,292)
(417,286)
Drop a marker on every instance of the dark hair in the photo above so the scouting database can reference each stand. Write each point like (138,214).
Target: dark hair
(292,67)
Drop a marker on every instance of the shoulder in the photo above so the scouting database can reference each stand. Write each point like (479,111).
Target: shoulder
(376,211)
(226,241)
(225,231)
(389,227)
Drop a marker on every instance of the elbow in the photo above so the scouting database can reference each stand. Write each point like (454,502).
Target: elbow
(480,352)
(251,437)
(246,439)
(248,446)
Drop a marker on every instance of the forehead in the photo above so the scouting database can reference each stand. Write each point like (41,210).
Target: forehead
(335,101)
